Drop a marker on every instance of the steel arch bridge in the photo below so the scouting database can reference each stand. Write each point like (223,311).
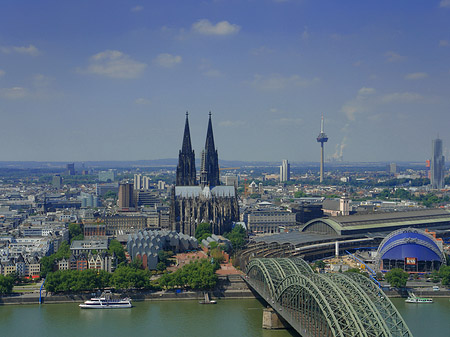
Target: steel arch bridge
(318,305)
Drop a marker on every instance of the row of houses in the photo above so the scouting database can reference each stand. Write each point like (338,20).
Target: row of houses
(23,266)
(99,261)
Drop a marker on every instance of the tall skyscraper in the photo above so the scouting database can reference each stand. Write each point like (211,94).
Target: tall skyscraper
(125,196)
(209,174)
(322,138)
(437,165)
(285,171)
(70,169)
(186,175)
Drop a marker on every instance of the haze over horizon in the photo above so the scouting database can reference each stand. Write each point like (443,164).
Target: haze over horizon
(112,80)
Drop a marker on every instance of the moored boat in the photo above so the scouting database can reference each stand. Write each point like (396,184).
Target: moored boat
(106,301)
(412,298)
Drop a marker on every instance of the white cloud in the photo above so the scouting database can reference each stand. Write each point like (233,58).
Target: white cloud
(366,91)
(115,64)
(444,4)
(2,73)
(401,97)
(142,101)
(28,50)
(359,104)
(168,60)
(13,93)
(278,82)
(416,76)
(205,27)
(444,43)
(231,124)
(136,9)
(392,56)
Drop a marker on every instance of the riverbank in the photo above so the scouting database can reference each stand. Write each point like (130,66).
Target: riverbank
(229,287)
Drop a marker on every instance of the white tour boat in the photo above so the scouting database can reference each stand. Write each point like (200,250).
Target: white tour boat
(105,301)
(414,299)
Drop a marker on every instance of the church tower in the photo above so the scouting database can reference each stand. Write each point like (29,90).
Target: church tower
(186,175)
(209,174)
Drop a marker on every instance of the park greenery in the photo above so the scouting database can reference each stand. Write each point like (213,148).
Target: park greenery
(115,247)
(6,284)
(75,232)
(164,260)
(198,275)
(397,278)
(124,277)
(427,200)
(203,231)
(444,274)
(48,262)
(237,237)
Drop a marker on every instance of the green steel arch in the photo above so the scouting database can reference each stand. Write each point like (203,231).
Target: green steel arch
(332,224)
(325,304)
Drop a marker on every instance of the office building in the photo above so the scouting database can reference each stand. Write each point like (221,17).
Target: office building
(437,165)
(57,181)
(285,171)
(107,176)
(70,169)
(125,196)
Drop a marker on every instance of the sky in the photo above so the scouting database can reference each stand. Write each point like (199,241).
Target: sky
(112,80)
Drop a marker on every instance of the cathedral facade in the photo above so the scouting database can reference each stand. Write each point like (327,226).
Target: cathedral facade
(194,202)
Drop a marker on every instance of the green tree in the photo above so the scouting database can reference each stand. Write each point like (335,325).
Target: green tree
(160,266)
(164,257)
(199,274)
(397,278)
(115,247)
(75,232)
(300,194)
(6,284)
(319,264)
(444,273)
(203,229)
(47,263)
(126,277)
(63,251)
(237,237)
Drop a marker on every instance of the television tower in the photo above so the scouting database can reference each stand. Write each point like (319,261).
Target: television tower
(322,138)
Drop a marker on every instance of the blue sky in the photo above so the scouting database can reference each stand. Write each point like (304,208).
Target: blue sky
(112,80)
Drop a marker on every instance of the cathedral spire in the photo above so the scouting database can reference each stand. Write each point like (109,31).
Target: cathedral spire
(209,144)
(186,175)
(209,175)
(186,147)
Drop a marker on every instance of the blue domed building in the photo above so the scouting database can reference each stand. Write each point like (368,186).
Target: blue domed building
(412,250)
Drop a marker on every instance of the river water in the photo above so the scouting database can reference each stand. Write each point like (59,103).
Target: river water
(228,318)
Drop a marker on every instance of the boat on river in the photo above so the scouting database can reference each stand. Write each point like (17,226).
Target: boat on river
(106,301)
(412,298)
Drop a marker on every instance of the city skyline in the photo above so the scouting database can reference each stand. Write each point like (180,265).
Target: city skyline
(110,80)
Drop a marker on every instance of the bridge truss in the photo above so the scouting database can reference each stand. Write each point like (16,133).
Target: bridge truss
(318,305)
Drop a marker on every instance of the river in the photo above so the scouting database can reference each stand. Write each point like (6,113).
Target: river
(228,318)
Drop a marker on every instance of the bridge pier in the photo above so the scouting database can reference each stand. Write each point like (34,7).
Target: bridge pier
(271,320)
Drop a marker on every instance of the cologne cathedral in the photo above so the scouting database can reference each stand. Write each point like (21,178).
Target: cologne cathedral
(194,202)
